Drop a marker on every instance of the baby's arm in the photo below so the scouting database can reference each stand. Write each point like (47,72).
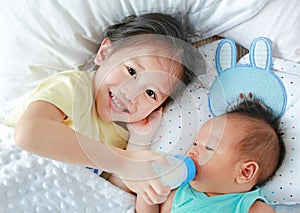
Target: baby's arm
(142,207)
(40,131)
(259,206)
(166,207)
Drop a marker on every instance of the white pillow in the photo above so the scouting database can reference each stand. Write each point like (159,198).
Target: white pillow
(187,114)
(279,21)
(39,38)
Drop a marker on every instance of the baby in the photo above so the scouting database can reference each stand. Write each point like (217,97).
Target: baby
(234,154)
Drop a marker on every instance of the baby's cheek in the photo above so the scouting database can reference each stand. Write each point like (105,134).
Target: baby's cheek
(204,157)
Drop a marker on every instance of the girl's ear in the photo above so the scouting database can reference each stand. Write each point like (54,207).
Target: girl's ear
(103,51)
(248,172)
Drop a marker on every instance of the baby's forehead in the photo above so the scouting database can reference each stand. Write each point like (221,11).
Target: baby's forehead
(225,125)
(216,121)
(230,118)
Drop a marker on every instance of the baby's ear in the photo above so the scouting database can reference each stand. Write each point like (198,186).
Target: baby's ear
(248,172)
(103,51)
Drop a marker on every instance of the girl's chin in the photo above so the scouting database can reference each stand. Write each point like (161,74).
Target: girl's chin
(118,118)
(110,115)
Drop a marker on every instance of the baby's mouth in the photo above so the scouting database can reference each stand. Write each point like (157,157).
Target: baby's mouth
(117,103)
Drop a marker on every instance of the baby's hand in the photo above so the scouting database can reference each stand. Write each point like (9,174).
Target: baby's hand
(141,132)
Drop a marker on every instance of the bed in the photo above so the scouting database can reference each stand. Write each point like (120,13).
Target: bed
(41,38)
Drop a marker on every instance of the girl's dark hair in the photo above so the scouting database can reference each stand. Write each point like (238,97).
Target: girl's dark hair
(263,137)
(152,23)
(177,33)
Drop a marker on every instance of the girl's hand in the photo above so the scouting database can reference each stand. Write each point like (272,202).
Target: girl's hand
(139,176)
(144,181)
(141,132)
(152,191)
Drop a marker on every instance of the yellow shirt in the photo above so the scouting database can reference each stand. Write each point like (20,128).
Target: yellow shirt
(73,93)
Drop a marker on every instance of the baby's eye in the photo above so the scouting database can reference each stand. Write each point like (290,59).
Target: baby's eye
(132,72)
(195,144)
(209,148)
(151,93)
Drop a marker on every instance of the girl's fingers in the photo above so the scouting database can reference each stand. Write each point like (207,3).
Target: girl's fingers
(146,198)
(161,189)
(151,196)
(158,192)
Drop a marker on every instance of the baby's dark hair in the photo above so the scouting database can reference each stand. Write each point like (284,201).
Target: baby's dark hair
(263,137)
(174,30)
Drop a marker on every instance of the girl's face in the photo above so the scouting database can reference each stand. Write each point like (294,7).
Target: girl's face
(216,160)
(132,82)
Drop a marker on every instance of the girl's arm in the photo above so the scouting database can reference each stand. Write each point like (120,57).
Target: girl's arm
(40,131)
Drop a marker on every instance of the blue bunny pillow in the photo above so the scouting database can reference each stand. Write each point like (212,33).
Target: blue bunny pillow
(256,79)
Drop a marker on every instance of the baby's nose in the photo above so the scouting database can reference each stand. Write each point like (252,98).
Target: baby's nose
(193,152)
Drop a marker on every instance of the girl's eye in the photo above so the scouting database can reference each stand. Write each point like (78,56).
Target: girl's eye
(150,93)
(132,72)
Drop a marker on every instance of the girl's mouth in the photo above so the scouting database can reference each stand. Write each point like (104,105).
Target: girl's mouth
(117,104)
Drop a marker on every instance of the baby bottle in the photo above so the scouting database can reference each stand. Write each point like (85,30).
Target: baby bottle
(178,171)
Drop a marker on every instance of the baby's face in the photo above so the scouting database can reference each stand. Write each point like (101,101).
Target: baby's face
(215,157)
(132,82)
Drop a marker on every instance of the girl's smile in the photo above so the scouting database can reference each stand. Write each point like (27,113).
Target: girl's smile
(117,104)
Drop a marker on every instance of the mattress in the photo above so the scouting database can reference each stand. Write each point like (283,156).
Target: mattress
(29,183)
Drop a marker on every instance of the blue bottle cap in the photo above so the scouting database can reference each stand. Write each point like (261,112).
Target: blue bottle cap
(191,168)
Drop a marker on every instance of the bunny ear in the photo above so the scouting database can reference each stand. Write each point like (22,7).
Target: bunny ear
(225,55)
(261,53)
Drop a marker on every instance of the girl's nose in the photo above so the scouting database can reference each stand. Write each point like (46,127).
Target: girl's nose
(129,91)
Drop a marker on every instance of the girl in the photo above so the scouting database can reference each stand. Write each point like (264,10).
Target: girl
(141,63)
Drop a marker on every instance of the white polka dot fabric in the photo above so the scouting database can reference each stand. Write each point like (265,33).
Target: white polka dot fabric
(284,188)
(183,117)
